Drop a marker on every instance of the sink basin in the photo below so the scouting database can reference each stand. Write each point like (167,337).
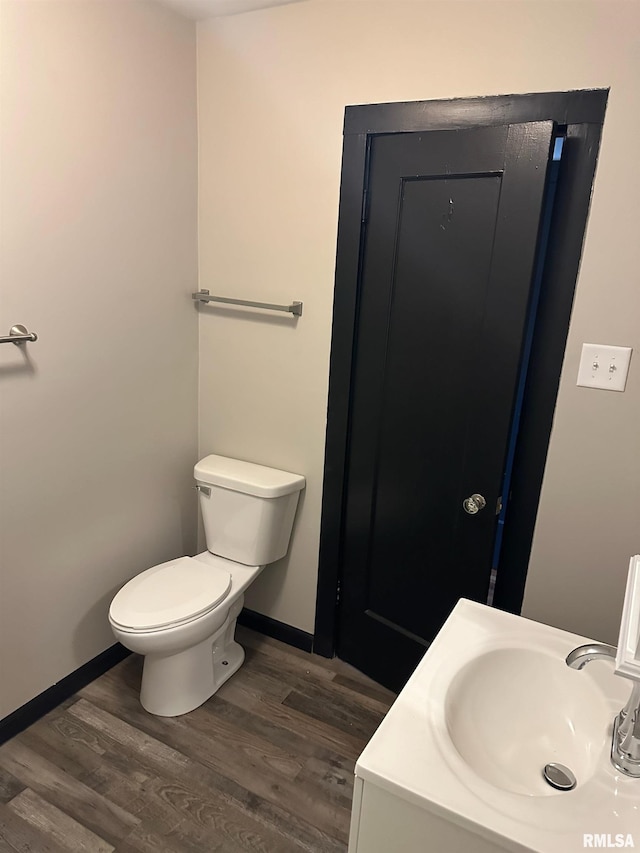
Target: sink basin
(509,712)
(490,704)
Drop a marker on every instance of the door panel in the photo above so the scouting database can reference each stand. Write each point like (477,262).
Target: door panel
(435,331)
(449,247)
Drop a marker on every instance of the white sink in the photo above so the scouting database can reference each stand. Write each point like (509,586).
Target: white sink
(509,712)
(491,703)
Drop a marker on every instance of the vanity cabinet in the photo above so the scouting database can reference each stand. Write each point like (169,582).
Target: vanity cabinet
(385,822)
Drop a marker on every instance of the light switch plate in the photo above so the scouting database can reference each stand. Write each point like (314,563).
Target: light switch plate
(603,366)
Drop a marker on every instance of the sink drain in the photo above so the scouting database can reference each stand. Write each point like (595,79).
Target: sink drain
(559,776)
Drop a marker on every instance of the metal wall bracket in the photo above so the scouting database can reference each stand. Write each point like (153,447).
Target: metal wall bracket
(18,334)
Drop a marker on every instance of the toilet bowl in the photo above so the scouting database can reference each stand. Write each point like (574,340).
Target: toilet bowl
(181,615)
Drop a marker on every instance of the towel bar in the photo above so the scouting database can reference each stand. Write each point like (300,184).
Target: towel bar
(205,296)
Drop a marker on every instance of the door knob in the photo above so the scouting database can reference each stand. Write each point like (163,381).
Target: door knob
(474,504)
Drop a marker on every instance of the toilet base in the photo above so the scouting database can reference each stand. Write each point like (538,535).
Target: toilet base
(178,683)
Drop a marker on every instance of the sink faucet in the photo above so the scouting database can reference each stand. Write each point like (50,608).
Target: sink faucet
(625,746)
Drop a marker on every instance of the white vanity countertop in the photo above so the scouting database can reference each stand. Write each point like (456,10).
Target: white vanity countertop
(412,756)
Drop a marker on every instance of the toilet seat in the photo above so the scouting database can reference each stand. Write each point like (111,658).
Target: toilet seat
(169,595)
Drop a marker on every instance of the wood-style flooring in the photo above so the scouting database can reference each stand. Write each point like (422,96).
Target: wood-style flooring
(265,765)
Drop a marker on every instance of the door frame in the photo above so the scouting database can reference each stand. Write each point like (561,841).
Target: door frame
(582,114)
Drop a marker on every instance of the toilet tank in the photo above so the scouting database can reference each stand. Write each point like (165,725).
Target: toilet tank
(247,509)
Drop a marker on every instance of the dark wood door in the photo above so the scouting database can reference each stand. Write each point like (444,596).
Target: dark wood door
(450,227)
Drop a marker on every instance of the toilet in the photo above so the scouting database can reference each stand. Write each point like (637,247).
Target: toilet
(181,615)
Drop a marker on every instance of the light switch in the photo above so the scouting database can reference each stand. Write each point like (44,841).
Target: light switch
(604,366)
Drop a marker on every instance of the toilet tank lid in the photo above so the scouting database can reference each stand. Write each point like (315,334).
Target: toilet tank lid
(247,477)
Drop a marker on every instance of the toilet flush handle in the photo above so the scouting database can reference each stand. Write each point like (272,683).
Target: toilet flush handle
(205,490)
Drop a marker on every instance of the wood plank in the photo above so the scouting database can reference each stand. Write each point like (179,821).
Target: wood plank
(267,784)
(146,839)
(172,790)
(127,674)
(335,782)
(111,773)
(322,733)
(153,752)
(18,835)
(205,783)
(299,732)
(10,787)
(152,767)
(45,738)
(271,731)
(365,687)
(204,811)
(334,692)
(234,744)
(233,753)
(57,825)
(293,658)
(348,716)
(265,765)
(154,808)
(98,814)
(278,690)
(337,670)
(253,686)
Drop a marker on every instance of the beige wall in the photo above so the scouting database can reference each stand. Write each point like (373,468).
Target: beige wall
(272,86)
(98,253)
